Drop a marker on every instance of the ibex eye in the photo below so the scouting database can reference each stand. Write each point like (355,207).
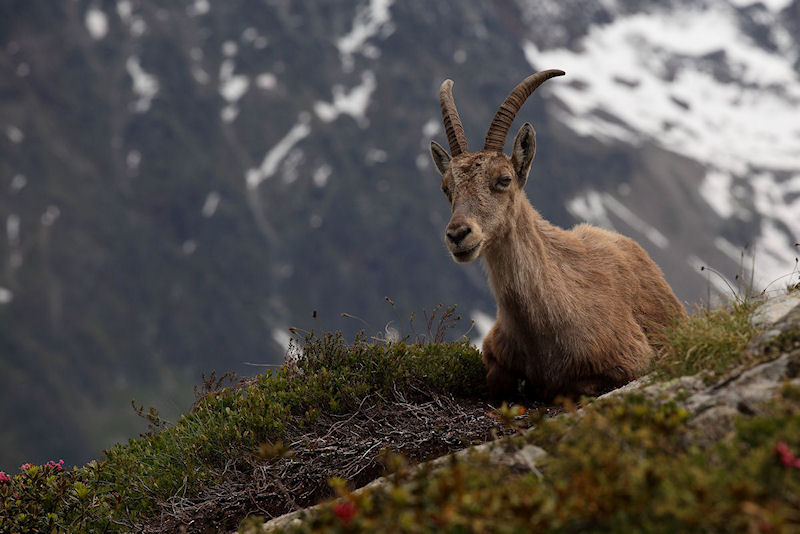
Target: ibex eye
(503,182)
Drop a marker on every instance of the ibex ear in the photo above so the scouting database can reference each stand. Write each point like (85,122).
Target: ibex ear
(440,157)
(524,150)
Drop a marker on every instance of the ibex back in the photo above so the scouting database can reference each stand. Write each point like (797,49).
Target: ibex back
(578,311)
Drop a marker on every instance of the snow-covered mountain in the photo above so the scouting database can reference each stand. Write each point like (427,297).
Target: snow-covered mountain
(716,82)
(180,183)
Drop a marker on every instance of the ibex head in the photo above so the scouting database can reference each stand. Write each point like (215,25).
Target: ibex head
(483,186)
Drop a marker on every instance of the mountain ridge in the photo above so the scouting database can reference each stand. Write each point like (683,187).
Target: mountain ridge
(135,249)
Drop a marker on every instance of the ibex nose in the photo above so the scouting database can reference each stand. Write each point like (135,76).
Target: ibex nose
(457,232)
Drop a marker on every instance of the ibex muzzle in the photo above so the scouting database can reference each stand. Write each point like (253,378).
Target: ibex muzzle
(578,311)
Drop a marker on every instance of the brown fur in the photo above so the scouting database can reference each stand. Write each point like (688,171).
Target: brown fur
(578,311)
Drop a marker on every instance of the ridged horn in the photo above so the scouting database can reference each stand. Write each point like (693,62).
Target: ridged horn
(452,122)
(496,136)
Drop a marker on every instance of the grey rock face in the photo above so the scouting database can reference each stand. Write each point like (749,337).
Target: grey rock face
(777,315)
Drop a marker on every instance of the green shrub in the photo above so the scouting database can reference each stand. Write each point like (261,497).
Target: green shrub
(46,498)
(227,426)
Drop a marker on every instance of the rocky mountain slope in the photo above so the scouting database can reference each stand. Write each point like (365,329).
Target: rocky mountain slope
(709,441)
(181,183)
(714,413)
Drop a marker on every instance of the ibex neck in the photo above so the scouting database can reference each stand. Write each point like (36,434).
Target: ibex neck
(524,267)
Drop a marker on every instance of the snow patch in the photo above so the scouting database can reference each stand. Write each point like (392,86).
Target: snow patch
(266,81)
(716,97)
(634,221)
(199,7)
(274,157)
(229,113)
(234,88)
(125,10)
(772,5)
(14,134)
(353,103)
(189,247)
(290,172)
(321,175)
(144,85)
(716,191)
(431,128)
(50,215)
(133,160)
(252,37)
(200,75)
(674,99)
(138,26)
(375,155)
(282,338)
(729,249)
(483,323)
(211,204)
(594,207)
(18,182)
(774,252)
(12,230)
(779,203)
(6,296)
(370,20)
(249,34)
(96,23)
(229,48)
(589,207)
(779,199)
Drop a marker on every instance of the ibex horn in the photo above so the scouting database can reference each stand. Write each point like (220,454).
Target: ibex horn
(452,122)
(496,136)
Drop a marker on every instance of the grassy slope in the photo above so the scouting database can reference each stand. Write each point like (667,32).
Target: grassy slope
(626,465)
(225,428)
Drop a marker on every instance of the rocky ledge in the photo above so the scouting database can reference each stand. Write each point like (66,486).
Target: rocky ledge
(712,402)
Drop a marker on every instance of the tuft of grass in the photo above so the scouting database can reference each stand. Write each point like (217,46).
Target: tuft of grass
(708,340)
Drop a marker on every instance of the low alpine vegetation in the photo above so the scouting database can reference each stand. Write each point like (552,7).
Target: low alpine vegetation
(227,428)
(708,340)
(626,465)
(340,411)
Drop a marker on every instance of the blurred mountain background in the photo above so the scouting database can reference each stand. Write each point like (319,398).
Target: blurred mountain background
(180,182)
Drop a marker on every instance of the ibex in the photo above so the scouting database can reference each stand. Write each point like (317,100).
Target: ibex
(578,311)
